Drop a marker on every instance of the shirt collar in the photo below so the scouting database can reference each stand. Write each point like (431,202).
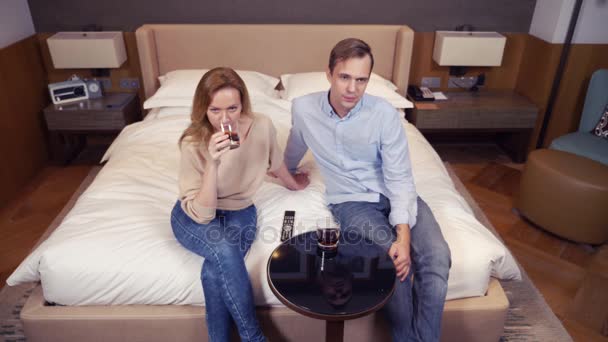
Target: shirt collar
(329,110)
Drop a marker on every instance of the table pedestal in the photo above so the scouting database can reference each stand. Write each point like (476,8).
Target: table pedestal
(320,276)
(334,331)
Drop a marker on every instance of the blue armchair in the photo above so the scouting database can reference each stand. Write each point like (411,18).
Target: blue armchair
(583,142)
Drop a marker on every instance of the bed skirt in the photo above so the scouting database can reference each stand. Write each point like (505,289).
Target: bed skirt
(468,319)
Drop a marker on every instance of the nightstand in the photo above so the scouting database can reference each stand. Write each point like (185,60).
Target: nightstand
(504,116)
(70,124)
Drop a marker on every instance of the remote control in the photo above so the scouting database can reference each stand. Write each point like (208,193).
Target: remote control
(288,222)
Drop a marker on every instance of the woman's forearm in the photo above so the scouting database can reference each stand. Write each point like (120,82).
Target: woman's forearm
(207,196)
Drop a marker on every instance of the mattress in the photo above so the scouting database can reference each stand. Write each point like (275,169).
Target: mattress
(116,245)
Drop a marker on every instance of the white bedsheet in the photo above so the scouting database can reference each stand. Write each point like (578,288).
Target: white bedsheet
(116,245)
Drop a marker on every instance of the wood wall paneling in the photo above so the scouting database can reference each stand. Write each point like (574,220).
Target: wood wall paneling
(505,76)
(536,73)
(538,67)
(422,59)
(528,67)
(25,70)
(22,133)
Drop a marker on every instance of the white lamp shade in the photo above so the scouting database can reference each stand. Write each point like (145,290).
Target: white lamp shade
(458,48)
(87,50)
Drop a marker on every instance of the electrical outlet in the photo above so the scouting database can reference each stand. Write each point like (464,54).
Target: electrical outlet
(135,83)
(106,83)
(462,82)
(431,82)
(129,83)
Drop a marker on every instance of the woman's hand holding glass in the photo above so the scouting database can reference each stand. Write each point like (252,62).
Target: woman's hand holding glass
(218,145)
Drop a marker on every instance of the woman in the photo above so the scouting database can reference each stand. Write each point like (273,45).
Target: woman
(215,216)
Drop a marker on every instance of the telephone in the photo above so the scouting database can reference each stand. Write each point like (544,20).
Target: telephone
(420,93)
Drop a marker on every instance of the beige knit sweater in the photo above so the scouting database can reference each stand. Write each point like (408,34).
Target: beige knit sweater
(240,172)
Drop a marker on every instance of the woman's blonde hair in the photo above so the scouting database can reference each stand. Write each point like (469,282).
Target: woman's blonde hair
(200,130)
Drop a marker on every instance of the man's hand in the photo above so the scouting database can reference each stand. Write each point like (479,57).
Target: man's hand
(298,181)
(302,180)
(400,252)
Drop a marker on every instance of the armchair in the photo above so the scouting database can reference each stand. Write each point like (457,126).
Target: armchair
(583,142)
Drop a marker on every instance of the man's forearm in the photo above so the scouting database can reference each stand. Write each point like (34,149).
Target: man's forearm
(287,178)
(403,233)
(293,155)
(404,207)
(295,148)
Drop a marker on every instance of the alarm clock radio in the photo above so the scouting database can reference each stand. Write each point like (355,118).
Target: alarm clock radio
(68,91)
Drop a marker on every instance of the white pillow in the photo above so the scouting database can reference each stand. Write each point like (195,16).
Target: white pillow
(161,112)
(296,85)
(177,87)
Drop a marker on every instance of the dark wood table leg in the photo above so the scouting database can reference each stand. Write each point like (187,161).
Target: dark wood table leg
(516,144)
(64,147)
(334,331)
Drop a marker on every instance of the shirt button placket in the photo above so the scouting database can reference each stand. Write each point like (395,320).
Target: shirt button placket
(339,134)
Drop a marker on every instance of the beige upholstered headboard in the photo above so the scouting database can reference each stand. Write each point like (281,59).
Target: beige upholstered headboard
(270,49)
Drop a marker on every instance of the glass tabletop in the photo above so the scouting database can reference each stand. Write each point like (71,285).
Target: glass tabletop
(352,281)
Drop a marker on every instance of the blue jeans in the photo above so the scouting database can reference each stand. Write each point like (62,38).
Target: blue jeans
(223,243)
(416,308)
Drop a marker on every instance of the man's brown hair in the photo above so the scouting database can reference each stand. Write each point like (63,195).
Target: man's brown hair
(349,48)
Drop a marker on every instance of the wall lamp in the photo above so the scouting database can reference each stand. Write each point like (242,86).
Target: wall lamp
(458,50)
(88,50)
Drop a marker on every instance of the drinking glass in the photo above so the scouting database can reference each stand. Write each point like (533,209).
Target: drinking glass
(230,128)
(328,234)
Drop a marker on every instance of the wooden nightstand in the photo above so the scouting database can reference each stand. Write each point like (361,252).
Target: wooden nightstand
(70,124)
(507,117)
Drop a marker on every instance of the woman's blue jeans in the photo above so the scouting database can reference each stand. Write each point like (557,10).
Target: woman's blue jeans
(223,243)
(416,308)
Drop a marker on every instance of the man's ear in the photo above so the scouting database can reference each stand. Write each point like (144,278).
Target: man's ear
(328,74)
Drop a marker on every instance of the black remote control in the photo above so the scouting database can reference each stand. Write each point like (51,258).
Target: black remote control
(288,222)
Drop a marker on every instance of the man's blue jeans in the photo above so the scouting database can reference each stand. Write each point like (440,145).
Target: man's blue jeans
(416,308)
(223,243)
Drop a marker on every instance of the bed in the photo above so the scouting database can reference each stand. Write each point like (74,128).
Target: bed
(113,271)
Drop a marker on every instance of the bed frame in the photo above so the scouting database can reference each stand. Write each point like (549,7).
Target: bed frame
(274,50)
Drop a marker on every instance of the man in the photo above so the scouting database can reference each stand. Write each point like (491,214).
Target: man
(360,146)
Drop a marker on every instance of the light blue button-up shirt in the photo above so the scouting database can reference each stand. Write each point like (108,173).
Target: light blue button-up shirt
(360,156)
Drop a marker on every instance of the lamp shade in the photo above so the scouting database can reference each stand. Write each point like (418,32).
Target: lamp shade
(87,50)
(458,48)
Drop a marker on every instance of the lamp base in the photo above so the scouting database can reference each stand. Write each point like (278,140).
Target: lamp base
(100,72)
(458,71)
